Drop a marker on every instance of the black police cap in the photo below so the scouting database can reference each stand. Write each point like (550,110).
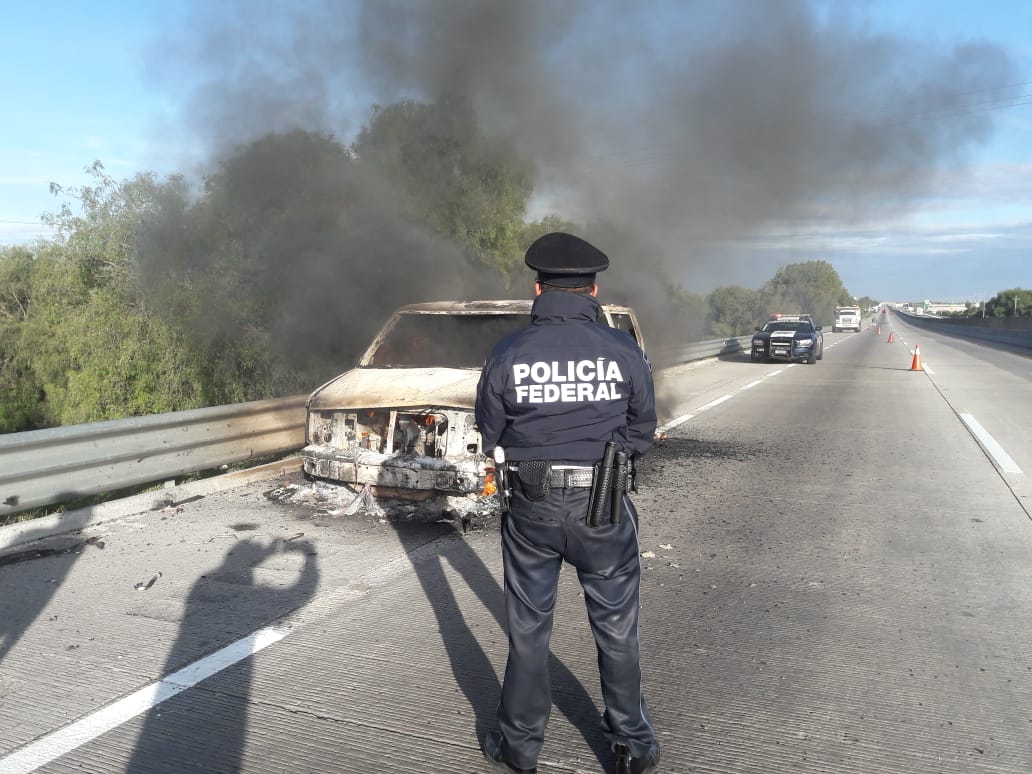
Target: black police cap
(565,260)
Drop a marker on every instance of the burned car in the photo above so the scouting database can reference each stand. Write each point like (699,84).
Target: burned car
(401,424)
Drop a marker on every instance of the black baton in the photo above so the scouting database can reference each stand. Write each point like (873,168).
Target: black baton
(619,487)
(602,487)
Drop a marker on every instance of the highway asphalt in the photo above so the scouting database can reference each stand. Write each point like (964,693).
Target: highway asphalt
(837,578)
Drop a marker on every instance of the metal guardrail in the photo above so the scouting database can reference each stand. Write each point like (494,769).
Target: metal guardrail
(43,467)
(969,328)
(699,350)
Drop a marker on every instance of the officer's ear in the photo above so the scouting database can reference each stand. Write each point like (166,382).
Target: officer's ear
(537,288)
(594,290)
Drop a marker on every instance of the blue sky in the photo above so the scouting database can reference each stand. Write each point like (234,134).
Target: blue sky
(82,83)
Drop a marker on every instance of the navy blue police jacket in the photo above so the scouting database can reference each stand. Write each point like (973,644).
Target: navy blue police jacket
(565,385)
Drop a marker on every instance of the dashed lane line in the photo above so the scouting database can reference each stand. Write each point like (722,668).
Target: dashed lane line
(1003,460)
(674,423)
(712,403)
(678,421)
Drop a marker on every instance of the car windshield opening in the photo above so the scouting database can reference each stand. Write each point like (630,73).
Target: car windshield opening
(444,340)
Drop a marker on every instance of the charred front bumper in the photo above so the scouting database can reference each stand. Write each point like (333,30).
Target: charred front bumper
(400,474)
(401,452)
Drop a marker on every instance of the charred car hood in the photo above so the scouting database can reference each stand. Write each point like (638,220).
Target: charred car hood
(398,387)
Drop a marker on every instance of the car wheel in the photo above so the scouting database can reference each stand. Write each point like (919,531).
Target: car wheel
(755,356)
(820,353)
(812,357)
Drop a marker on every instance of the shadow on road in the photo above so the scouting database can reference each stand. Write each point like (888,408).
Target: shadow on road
(471,666)
(24,600)
(205,729)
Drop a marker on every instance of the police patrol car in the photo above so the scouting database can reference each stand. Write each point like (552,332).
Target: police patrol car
(788,337)
(401,424)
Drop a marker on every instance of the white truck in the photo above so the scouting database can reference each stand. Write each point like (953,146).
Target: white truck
(847,318)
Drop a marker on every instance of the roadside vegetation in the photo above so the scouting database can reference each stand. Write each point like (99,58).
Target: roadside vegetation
(154,296)
(1013,302)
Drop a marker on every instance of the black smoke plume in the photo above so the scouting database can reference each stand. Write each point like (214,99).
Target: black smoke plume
(672,132)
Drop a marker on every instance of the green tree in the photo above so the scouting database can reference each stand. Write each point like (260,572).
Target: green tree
(865,303)
(733,311)
(1010,303)
(21,405)
(92,347)
(466,185)
(812,287)
(297,249)
(251,272)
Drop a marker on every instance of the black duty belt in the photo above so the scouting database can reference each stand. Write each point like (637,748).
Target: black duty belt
(568,476)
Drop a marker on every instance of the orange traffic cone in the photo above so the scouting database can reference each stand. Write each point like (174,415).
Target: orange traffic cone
(915,364)
(892,338)
(879,330)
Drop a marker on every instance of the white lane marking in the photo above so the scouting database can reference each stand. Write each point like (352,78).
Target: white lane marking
(64,740)
(927,368)
(712,403)
(1003,460)
(685,417)
(674,423)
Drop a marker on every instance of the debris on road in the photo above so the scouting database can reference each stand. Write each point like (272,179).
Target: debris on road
(143,586)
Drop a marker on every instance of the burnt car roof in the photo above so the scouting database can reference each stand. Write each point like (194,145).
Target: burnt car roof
(501,306)
(436,380)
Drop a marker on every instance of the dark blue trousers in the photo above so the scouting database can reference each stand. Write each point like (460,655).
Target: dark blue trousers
(536,538)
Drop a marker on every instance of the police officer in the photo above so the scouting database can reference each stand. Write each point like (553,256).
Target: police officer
(552,395)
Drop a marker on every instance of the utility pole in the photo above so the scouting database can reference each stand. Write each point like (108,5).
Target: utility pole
(1015,306)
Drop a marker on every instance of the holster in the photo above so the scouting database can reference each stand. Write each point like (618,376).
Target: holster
(535,478)
(502,479)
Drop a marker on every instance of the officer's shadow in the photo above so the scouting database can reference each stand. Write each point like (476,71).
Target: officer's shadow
(471,667)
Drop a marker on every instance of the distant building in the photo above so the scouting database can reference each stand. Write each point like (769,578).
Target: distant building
(932,307)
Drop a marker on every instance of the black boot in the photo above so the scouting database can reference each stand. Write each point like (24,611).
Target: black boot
(494,753)
(625,764)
